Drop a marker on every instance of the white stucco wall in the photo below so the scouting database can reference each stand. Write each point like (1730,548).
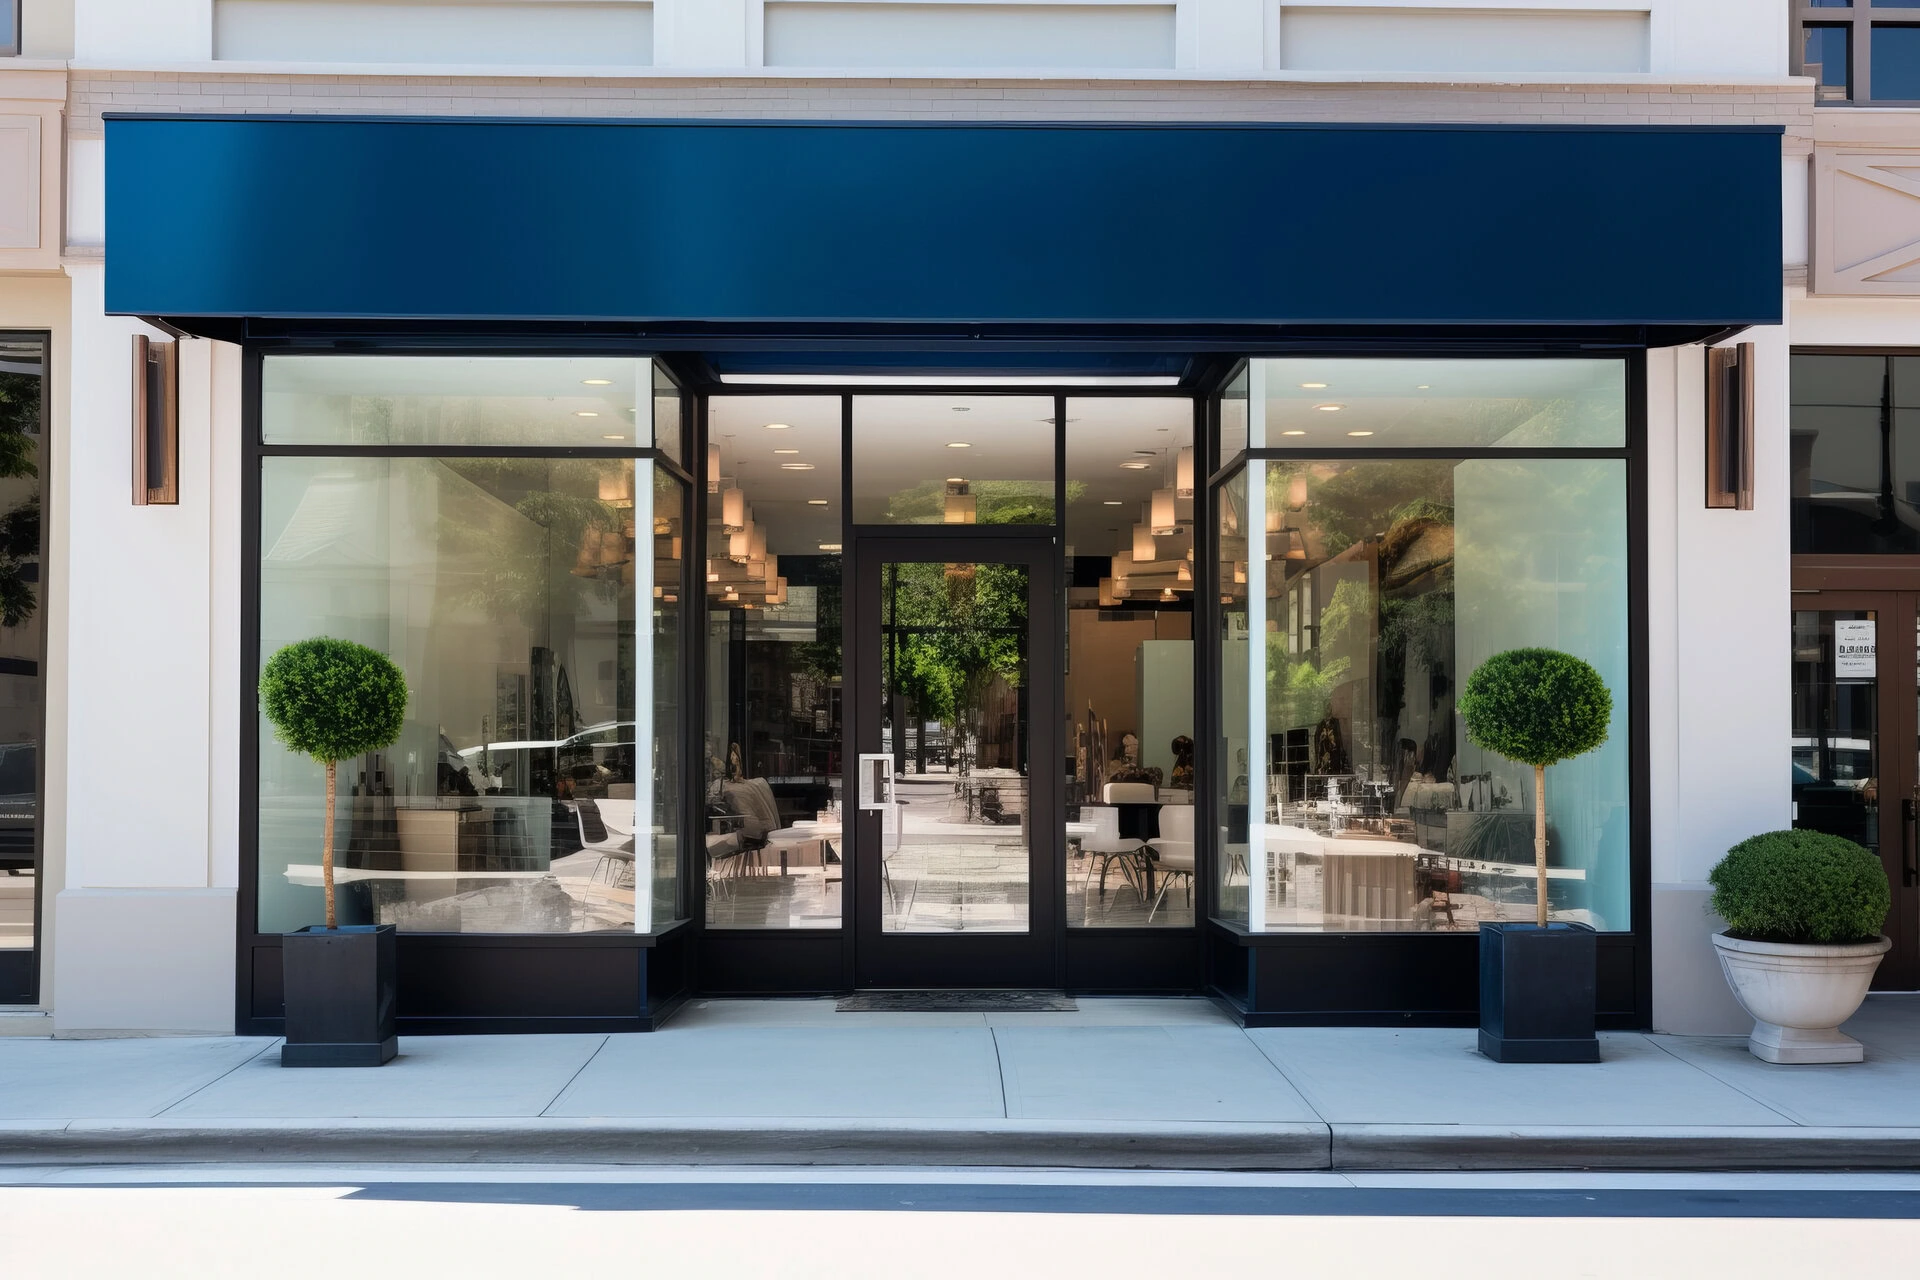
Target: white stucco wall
(1737,38)
(1719,699)
(146,910)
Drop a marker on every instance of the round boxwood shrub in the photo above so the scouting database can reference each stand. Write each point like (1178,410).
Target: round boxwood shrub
(333,700)
(1536,706)
(1800,886)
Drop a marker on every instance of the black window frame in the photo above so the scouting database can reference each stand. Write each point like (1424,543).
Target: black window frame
(1858,19)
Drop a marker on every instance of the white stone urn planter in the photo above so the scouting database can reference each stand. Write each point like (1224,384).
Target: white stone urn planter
(1799,994)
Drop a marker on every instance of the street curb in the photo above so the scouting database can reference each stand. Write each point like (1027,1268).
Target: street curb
(1276,1147)
(1006,1143)
(1459,1148)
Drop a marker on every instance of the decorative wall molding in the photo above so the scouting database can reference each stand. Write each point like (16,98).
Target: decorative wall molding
(32,104)
(1866,221)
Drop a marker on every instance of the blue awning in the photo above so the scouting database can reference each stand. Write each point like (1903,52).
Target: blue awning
(796,225)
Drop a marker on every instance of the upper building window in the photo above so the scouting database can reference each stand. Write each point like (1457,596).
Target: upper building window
(1859,50)
(9,27)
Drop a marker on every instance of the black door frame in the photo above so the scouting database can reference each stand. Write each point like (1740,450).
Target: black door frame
(927,960)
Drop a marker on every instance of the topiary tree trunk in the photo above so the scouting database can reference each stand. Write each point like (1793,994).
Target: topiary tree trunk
(1537,707)
(333,700)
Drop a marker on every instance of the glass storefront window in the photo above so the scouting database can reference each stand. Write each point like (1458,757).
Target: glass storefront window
(532,604)
(775,707)
(23,408)
(953,460)
(1234,416)
(1240,771)
(1855,441)
(1321,403)
(1356,595)
(518,401)
(1131,546)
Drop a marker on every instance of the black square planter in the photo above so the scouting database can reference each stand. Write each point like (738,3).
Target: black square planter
(341,996)
(1537,993)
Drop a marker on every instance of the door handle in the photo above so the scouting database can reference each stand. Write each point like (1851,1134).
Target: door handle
(1909,820)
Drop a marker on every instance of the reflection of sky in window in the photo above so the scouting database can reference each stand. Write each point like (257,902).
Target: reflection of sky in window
(1896,63)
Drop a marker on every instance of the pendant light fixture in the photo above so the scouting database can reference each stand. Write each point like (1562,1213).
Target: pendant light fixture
(1163,518)
(733,509)
(713,468)
(1143,549)
(1183,472)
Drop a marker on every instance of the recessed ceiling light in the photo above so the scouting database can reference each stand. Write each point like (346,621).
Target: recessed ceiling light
(1313,386)
(1423,387)
(956,479)
(1293,433)
(779,426)
(816,502)
(1359,433)
(1329,408)
(829,546)
(596,382)
(779,451)
(1135,466)
(1111,502)
(585,413)
(958,444)
(796,466)
(1146,453)
(613,437)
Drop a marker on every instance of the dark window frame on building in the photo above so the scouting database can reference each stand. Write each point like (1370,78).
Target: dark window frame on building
(20,967)
(1859,19)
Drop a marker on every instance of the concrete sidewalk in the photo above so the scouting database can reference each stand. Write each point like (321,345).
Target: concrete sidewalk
(1119,1084)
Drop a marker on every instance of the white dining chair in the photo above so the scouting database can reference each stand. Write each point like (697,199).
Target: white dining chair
(1106,844)
(1173,852)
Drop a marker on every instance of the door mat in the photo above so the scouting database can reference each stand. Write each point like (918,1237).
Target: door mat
(957,1002)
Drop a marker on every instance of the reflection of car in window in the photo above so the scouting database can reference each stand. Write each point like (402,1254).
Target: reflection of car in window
(1834,789)
(585,764)
(19,804)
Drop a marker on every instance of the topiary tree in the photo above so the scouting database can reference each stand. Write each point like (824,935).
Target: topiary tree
(1800,887)
(1537,707)
(332,700)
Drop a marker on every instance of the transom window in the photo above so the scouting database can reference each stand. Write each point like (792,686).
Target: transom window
(1859,50)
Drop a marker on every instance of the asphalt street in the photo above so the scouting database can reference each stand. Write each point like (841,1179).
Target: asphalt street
(295,1221)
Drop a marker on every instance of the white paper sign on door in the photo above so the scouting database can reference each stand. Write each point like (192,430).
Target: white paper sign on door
(1853,649)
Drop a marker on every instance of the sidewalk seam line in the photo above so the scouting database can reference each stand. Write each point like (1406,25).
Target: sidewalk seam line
(193,1093)
(1313,1104)
(1000,1069)
(1658,1044)
(597,1051)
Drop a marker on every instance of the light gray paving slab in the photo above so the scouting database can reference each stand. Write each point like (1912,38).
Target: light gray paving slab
(837,1072)
(1883,1090)
(1364,1075)
(1175,1073)
(77,1079)
(434,1076)
(1114,1011)
(705,1014)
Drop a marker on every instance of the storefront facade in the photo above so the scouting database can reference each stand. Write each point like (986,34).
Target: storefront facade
(1191,419)
(1387,477)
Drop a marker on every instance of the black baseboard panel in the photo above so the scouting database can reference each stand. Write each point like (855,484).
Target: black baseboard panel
(473,984)
(1387,979)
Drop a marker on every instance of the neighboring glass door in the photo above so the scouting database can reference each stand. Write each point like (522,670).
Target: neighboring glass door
(957,833)
(1856,743)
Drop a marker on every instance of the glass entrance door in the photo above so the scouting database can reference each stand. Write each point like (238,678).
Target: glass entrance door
(956,842)
(1856,743)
